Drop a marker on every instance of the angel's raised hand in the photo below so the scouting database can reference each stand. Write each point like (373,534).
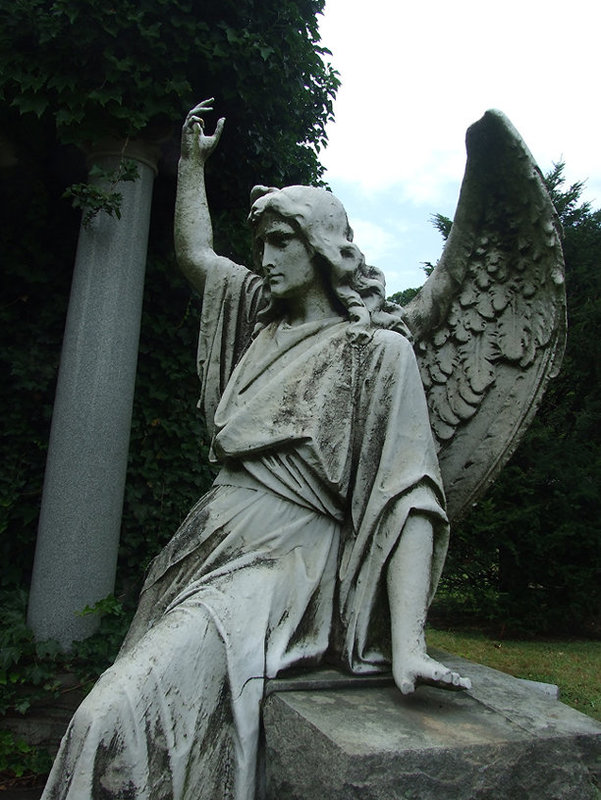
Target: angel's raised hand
(194,139)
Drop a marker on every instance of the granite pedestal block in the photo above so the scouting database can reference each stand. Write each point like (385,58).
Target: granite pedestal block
(505,738)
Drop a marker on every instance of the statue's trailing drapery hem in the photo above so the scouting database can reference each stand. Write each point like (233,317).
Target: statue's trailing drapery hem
(185,692)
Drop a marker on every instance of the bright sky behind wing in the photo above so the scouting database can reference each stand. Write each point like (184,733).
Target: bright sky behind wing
(416,74)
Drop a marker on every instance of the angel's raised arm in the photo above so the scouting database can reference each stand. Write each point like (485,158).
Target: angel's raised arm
(193,229)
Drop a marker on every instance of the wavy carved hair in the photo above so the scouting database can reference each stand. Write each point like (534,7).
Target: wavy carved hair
(321,221)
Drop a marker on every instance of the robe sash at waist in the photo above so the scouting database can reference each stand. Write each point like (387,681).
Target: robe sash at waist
(285,475)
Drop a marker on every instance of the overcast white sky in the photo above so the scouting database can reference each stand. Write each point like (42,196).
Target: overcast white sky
(416,74)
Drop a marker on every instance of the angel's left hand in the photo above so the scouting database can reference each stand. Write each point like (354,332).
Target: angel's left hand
(416,668)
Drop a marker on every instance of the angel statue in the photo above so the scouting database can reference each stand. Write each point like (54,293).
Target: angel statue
(325,532)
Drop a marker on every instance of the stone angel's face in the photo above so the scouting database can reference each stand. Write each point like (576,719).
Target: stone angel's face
(286,260)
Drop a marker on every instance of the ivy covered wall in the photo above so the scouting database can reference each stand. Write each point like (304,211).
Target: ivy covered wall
(76,71)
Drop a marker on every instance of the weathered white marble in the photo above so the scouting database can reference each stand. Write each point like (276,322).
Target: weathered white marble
(325,532)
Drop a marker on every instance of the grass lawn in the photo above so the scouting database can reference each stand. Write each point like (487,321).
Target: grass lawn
(575,666)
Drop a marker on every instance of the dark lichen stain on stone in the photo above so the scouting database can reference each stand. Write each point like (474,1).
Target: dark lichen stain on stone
(104,764)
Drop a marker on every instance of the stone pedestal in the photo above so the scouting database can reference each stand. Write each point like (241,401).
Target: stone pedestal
(503,739)
(80,518)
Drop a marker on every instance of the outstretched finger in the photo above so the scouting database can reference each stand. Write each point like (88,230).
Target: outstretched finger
(205,105)
(453,680)
(219,129)
(464,683)
(195,114)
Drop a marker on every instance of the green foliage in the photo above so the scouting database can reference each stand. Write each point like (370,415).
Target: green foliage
(101,194)
(89,657)
(404,296)
(77,70)
(442,224)
(30,671)
(19,759)
(95,70)
(27,668)
(37,239)
(108,605)
(529,555)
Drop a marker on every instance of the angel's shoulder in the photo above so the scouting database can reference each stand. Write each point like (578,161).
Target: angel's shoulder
(391,343)
(386,352)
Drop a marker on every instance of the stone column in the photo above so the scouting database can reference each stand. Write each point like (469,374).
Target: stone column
(78,535)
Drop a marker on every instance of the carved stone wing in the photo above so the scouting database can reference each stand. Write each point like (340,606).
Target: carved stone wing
(489,323)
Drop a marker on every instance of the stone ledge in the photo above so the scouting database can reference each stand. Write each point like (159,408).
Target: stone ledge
(504,739)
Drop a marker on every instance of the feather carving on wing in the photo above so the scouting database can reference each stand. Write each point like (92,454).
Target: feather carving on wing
(489,323)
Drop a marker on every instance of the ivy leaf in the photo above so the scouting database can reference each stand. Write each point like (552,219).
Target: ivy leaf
(31,103)
(23,705)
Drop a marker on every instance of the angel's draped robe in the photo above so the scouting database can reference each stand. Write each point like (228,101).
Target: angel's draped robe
(326,450)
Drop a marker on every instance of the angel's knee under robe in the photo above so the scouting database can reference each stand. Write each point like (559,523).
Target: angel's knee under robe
(327,451)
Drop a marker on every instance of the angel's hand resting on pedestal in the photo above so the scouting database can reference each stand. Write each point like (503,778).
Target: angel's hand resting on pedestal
(416,668)
(408,582)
